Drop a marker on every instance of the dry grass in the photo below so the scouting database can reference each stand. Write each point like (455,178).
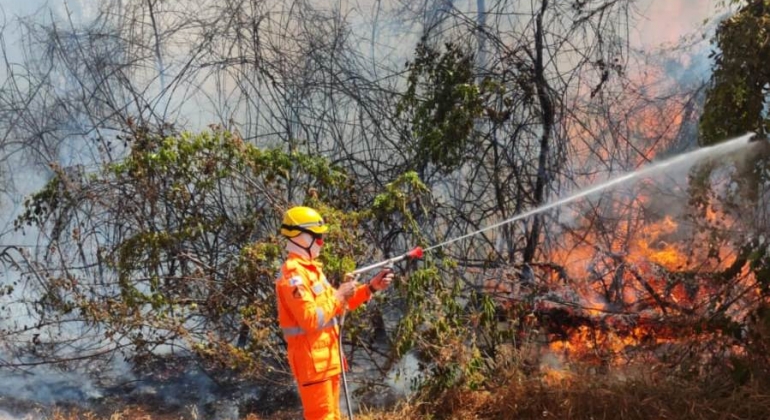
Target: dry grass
(602,398)
(144,413)
(129,413)
(576,397)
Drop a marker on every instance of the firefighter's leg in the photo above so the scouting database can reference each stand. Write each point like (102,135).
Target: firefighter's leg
(336,396)
(319,401)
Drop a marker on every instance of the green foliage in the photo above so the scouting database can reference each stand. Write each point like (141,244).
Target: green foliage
(758,251)
(736,103)
(440,106)
(40,205)
(440,330)
(182,233)
(259,260)
(395,205)
(737,96)
(189,252)
(343,242)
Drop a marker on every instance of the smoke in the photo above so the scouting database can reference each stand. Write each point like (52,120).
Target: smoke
(670,23)
(405,374)
(4,415)
(32,393)
(47,386)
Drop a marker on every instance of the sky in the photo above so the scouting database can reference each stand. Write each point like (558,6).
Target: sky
(659,23)
(664,21)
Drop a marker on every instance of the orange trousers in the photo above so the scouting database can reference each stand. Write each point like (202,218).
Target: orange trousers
(321,400)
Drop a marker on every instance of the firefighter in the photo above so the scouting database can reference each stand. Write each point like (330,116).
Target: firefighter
(308,307)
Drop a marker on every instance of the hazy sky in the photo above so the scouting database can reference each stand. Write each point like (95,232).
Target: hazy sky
(657,23)
(664,21)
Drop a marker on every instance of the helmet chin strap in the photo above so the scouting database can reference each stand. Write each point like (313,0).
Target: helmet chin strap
(307,249)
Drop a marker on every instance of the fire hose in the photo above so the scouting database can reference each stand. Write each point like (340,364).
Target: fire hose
(414,253)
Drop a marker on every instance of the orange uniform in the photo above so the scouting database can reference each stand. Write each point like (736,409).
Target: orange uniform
(307,311)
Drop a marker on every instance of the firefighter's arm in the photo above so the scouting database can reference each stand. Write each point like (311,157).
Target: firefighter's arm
(362,294)
(311,314)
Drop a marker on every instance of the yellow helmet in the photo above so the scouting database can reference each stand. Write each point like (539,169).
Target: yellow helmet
(302,219)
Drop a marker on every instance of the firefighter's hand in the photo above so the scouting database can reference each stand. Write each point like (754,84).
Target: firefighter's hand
(382,280)
(346,291)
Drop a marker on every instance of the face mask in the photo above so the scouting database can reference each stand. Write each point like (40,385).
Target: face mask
(315,249)
(312,246)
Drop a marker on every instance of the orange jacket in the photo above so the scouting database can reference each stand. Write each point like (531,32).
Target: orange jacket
(307,311)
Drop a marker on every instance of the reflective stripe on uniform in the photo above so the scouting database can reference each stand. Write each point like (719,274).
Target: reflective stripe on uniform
(295,331)
(295,281)
(318,288)
(292,331)
(332,323)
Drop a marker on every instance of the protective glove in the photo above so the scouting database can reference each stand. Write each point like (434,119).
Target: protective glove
(346,291)
(382,280)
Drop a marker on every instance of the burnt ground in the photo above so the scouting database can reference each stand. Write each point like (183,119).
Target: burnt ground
(169,388)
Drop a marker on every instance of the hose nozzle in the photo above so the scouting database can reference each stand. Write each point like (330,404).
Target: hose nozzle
(414,253)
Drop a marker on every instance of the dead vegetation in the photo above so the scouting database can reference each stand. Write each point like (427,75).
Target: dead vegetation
(601,398)
(568,397)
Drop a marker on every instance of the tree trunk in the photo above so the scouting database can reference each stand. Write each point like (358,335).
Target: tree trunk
(547,117)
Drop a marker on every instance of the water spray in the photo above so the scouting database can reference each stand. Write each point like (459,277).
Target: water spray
(418,252)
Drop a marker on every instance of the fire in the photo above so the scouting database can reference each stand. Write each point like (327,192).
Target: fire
(645,267)
(650,246)
(612,342)
(642,252)
(639,253)
(555,376)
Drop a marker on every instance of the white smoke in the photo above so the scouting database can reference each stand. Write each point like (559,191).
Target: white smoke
(4,415)
(47,386)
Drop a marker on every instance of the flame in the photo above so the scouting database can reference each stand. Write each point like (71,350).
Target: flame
(638,257)
(631,254)
(650,246)
(635,254)
(555,376)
